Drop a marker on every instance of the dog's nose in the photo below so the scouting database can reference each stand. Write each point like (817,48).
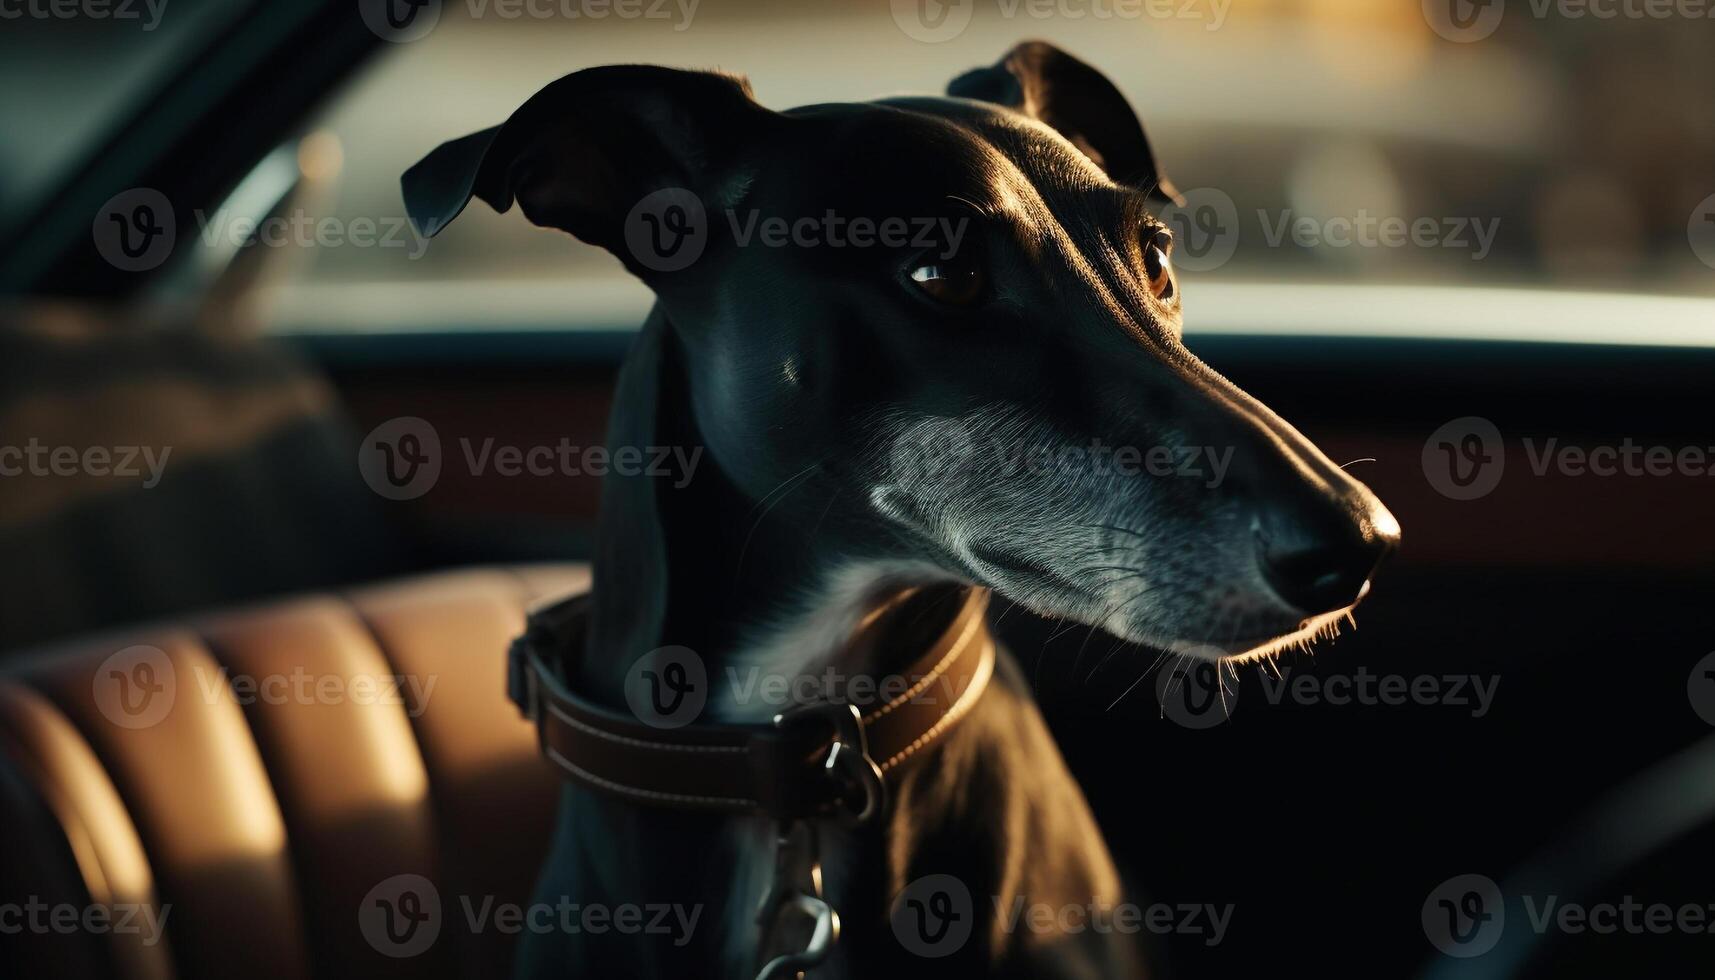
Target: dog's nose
(1329,569)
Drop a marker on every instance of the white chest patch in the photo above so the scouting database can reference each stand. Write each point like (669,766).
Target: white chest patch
(764,677)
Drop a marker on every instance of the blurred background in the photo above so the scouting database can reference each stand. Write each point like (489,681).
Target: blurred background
(1583,142)
(1400,216)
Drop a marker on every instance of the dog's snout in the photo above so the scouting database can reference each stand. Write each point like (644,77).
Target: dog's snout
(1318,534)
(1323,566)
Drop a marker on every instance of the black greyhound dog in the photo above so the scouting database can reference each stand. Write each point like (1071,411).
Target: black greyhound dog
(850,298)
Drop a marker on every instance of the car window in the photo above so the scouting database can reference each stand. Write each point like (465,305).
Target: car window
(72,76)
(1320,146)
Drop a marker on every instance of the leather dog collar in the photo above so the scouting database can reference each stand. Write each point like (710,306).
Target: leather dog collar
(814,759)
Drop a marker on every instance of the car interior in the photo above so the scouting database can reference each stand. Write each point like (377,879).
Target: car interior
(1554,625)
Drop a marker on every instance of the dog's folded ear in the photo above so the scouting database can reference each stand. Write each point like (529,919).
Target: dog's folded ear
(1047,84)
(581,153)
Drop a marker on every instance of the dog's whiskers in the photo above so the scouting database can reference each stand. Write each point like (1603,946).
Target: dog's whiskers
(1102,663)
(1130,569)
(1128,690)
(1067,626)
(817,527)
(1121,644)
(770,501)
(1113,648)
(1121,530)
(1107,613)
(1221,682)
(1174,668)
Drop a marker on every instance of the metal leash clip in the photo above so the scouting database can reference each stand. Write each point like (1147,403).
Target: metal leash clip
(793,913)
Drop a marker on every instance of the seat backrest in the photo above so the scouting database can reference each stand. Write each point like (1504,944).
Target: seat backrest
(331,785)
(115,438)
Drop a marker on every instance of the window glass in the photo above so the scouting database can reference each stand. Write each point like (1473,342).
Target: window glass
(1321,144)
(73,72)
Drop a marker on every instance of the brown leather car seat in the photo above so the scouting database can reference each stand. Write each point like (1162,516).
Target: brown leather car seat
(331,785)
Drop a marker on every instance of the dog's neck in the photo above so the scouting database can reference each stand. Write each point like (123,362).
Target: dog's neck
(693,563)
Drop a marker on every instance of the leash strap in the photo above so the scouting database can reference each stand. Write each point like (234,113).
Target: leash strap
(814,760)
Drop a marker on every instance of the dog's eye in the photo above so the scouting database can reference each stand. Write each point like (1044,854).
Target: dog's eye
(1156,267)
(953,281)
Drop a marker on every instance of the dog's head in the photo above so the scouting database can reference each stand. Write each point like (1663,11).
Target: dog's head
(957,320)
